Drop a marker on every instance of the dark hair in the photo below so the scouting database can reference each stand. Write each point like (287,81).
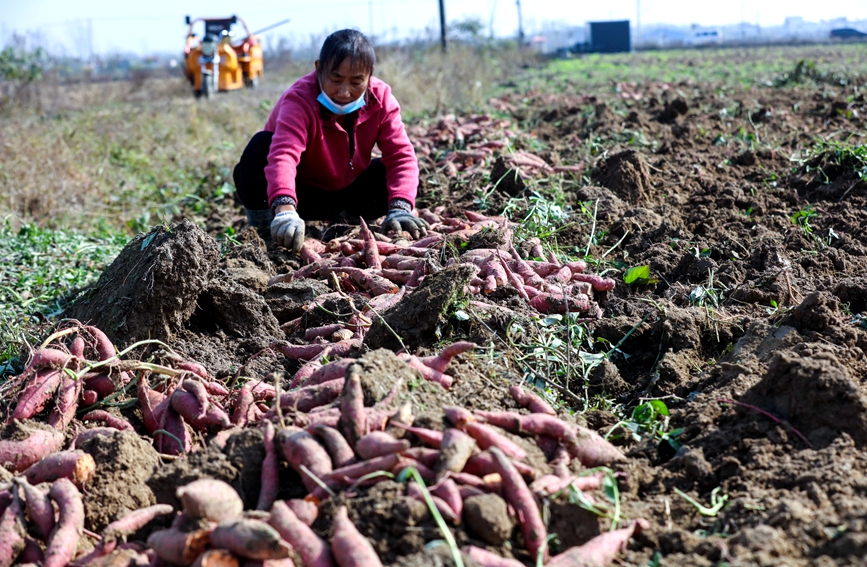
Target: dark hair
(342,44)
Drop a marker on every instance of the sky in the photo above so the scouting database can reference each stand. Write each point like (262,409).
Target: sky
(157,26)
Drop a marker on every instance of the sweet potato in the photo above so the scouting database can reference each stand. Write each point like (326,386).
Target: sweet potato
(371,250)
(134,521)
(89,397)
(414,491)
(110,420)
(198,391)
(309,397)
(70,523)
(482,464)
(313,550)
(306,510)
(599,551)
(451,495)
(485,558)
(455,451)
(301,449)
(253,539)
(149,400)
(102,344)
(243,403)
(177,547)
(336,445)
(99,382)
(66,403)
(32,553)
(518,494)
(202,419)
(551,303)
(531,401)
(441,361)
(379,443)
(427,372)
(350,548)
(430,437)
(19,454)
(270,477)
(300,352)
(487,437)
(77,466)
(353,417)
(592,449)
(39,509)
(173,423)
(598,282)
(12,532)
(212,499)
(36,393)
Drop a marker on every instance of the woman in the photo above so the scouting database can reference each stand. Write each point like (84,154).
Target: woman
(313,158)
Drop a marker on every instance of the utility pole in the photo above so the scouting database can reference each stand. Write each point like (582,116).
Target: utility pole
(443,24)
(520,25)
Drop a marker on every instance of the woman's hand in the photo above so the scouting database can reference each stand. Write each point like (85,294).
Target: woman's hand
(398,220)
(287,228)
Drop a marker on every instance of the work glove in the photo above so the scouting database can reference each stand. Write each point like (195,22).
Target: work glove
(398,220)
(287,230)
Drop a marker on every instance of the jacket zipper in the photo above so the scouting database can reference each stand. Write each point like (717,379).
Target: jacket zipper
(350,129)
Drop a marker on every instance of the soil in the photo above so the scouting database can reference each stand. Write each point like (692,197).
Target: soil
(751,331)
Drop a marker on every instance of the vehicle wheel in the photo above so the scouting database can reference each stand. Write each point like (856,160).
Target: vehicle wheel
(252,83)
(208,86)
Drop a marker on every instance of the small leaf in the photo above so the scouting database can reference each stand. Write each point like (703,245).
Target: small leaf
(659,407)
(638,275)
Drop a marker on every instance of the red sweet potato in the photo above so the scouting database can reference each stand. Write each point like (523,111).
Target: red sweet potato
(12,532)
(371,250)
(189,407)
(66,403)
(309,397)
(270,477)
(353,417)
(349,547)
(306,510)
(450,494)
(300,352)
(49,358)
(427,372)
(197,389)
(301,449)
(430,437)
(487,437)
(109,419)
(100,383)
(592,449)
(102,344)
(379,443)
(149,400)
(552,303)
(253,539)
(457,415)
(177,547)
(598,282)
(77,466)
(32,553)
(39,509)
(455,451)
(36,393)
(89,397)
(482,464)
(599,551)
(441,361)
(518,494)
(212,499)
(414,491)
(70,523)
(531,401)
(313,550)
(335,443)
(243,402)
(223,558)
(134,521)
(18,454)
(485,558)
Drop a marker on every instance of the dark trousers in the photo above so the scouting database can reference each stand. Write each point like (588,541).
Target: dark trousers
(365,197)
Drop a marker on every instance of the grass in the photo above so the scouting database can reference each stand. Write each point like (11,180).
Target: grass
(39,271)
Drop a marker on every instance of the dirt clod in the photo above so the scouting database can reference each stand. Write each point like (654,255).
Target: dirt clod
(487,517)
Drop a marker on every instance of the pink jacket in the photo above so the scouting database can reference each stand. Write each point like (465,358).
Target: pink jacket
(310,146)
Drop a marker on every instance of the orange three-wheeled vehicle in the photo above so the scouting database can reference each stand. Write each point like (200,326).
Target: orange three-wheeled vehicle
(214,63)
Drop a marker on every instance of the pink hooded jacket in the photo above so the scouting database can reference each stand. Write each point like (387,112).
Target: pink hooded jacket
(309,145)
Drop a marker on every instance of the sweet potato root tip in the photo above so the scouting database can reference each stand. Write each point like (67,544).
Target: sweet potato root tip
(350,548)
(18,455)
(306,510)
(212,499)
(441,361)
(177,547)
(253,539)
(313,550)
(518,494)
(77,466)
(70,523)
(270,477)
(134,521)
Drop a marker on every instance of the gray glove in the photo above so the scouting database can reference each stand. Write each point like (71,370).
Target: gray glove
(398,220)
(287,230)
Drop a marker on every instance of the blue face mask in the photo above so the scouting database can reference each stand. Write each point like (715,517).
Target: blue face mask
(339,109)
